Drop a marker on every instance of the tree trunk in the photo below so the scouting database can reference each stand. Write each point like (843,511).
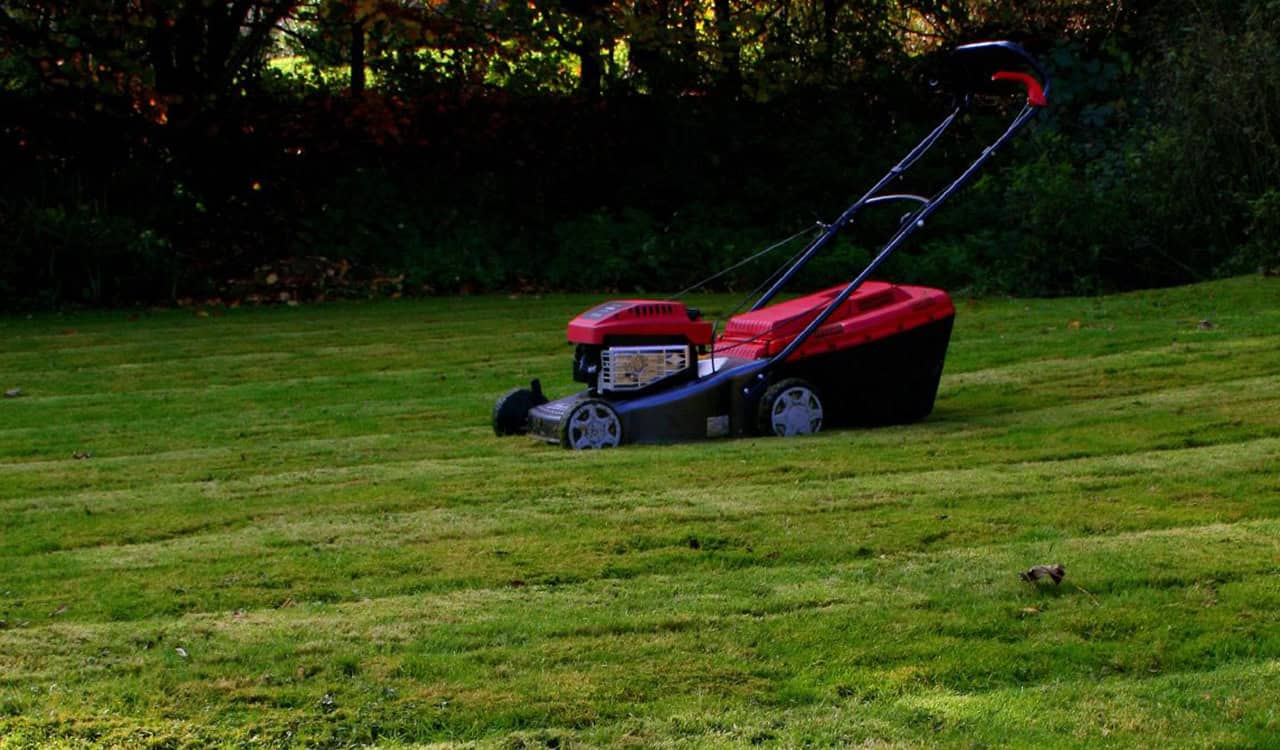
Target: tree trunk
(729,49)
(357,58)
(830,8)
(592,70)
(593,16)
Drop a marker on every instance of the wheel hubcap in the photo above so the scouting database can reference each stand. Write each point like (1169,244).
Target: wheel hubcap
(797,411)
(594,426)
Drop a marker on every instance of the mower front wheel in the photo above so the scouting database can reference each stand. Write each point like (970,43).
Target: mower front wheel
(590,424)
(790,407)
(511,412)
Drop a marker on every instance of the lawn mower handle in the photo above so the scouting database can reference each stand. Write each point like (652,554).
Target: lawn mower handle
(977,66)
(982,63)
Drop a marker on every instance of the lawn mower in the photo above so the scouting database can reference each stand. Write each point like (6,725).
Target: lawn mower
(866,352)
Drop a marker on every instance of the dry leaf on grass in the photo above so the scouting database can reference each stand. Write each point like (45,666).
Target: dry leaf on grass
(1053,572)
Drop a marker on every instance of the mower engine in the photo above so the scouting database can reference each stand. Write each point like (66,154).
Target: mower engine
(627,347)
(624,348)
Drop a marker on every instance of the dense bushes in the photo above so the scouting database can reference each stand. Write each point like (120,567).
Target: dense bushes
(1151,170)
(494,193)
(1156,164)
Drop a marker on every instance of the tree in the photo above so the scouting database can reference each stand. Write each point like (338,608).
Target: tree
(161,58)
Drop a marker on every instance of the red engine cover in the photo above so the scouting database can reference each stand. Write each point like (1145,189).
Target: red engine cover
(638,317)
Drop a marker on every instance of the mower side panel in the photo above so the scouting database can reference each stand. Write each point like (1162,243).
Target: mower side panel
(713,406)
(544,420)
(707,408)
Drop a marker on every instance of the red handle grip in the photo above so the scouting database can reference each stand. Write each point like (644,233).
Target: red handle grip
(1035,93)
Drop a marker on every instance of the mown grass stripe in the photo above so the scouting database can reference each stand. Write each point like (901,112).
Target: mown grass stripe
(300,501)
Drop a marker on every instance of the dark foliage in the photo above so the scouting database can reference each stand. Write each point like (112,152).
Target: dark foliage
(155,153)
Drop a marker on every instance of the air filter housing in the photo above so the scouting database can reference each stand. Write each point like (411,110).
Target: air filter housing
(632,368)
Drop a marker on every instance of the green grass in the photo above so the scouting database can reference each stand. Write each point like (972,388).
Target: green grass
(310,503)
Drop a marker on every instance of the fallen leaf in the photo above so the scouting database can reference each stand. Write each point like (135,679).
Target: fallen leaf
(1074,325)
(13,393)
(181,652)
(61,608)
(1053,572)
(82,455)
(1206,325)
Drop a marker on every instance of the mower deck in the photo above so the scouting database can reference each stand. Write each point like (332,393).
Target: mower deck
(877,360)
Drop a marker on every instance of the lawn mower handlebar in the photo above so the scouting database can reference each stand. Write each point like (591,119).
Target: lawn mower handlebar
(978,67)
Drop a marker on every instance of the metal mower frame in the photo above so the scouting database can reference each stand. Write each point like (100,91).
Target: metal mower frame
(861,353)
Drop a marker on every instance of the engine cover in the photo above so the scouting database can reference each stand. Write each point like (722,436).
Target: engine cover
(656,320)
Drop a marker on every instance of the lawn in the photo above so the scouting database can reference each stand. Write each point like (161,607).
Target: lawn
(264,527)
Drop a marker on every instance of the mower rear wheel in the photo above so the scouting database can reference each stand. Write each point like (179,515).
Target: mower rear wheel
(790,407)
(590,424)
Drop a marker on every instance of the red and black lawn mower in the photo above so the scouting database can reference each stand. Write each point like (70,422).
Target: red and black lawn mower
(867,352)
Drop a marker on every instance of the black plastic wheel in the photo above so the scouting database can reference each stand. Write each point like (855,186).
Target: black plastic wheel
(589,424)
(511,412)
(790,407)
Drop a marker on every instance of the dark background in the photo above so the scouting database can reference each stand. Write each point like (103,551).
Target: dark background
(156,150)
